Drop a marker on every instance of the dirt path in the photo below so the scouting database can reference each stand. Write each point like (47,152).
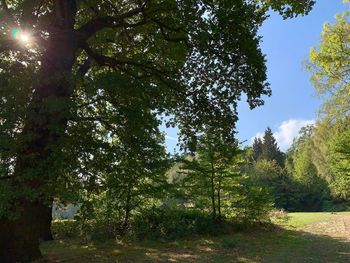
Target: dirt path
(337,228)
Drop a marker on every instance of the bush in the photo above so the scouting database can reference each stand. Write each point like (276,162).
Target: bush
(279,216)
(98,218)
(62,229)
(172,223)
(253,204)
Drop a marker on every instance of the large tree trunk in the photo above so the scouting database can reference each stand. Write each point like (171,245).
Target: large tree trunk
(44,127)
(45,216)
(18,239)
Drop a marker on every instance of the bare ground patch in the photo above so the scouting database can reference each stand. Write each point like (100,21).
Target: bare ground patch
(338,227)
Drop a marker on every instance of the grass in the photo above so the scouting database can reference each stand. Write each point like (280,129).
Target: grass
(287,243)
(299,220)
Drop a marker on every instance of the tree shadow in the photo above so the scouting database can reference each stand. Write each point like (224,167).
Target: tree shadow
(256,245)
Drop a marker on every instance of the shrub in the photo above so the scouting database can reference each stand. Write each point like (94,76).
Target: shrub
(279,216)
(253,204)
(62,229)
(172,223)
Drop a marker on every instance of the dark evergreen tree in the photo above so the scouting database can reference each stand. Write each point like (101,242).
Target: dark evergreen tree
(257,148)
(270,150)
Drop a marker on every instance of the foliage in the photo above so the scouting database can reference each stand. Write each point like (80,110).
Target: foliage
(251,203)
(214,181)
(313,190)
(267,148)
(329,153)
(257,148)
(329,65)
(279,216)
(93,75)
(97,219)
(288,8)
(340,164)
(270,175)
(210,176)
(64,229)
(173,223)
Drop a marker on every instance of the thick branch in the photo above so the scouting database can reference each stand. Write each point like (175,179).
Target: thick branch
(84,68)
(97,24)
(147,69)
(163,27)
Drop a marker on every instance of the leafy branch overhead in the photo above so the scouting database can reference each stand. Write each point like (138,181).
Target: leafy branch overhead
(198,56)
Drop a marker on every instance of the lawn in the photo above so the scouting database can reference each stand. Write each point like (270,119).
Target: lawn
(286,243)
(299,220)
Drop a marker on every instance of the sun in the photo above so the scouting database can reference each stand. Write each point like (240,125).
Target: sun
(24,38)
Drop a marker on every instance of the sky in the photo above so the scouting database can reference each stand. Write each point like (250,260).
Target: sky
(293,104)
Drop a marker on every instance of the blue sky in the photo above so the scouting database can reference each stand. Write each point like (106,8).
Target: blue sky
(293,103)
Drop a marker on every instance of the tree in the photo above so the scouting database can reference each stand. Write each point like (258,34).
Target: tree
(210,176)
(329,65)
(329,152)
(270,175)
(191,59)
(134,180)
(313,189)
(257,148)
(340,164)
(269,148)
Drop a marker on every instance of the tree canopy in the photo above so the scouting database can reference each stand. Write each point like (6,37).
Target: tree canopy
(329,65)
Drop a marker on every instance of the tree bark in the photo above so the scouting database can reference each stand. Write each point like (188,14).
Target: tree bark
(45,217)
(43,129)
(18,239)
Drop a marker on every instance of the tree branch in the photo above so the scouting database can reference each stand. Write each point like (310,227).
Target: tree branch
(93,26)
(146,68)
(163,26)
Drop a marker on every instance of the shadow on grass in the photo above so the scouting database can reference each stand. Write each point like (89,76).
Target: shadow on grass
(273,245)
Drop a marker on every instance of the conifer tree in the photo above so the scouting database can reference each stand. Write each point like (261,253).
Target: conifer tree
(270,150)
(257,148)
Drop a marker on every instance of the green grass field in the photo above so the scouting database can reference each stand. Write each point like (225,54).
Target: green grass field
(286,243)
(298,220)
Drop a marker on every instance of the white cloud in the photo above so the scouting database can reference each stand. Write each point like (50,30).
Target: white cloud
(287,131)
(171,138)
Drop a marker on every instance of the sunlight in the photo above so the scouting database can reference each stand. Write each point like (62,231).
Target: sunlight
(21,36)
(25,38)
